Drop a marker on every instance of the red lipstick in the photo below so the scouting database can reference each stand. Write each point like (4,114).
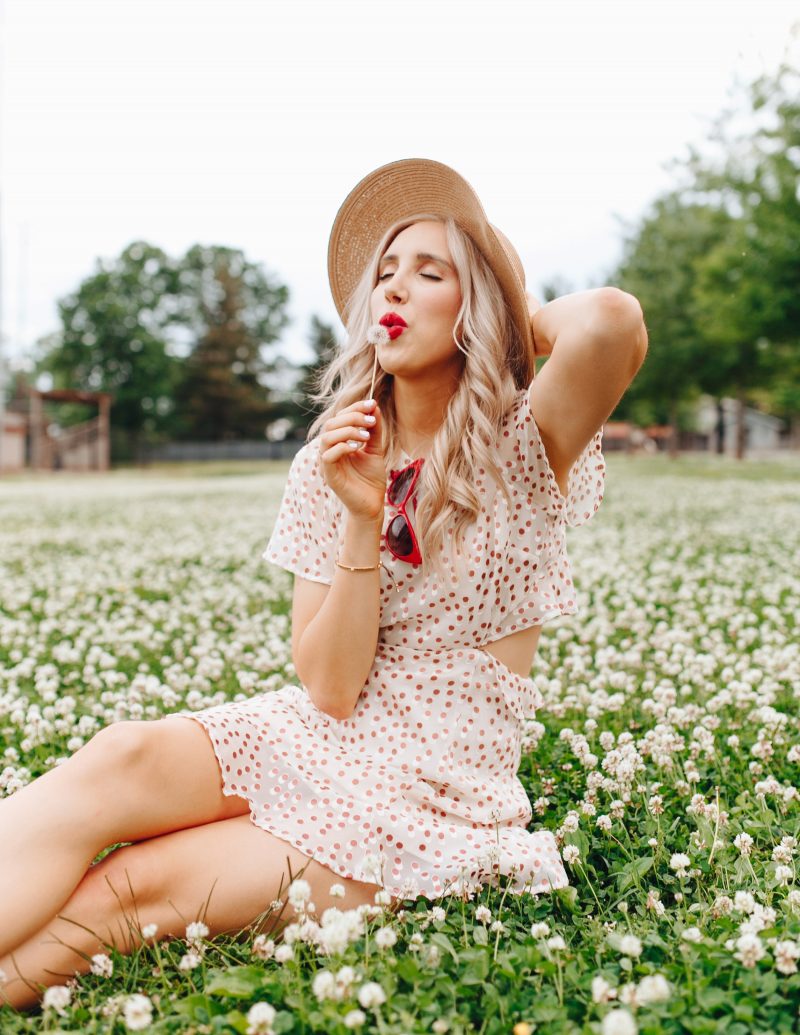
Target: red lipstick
(394,324)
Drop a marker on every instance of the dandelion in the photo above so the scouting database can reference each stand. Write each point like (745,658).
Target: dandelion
(260,1017)
(57,997)
(137,1012)
(371,995)
(102,965)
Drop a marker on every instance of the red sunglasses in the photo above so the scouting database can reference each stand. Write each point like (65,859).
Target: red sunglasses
(400,537)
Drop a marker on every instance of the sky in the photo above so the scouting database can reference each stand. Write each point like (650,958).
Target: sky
(247,122)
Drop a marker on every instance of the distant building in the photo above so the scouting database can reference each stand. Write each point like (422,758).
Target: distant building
(716,421)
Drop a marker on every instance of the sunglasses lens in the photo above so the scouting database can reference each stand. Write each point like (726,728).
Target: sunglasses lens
(398,489)
(398,537)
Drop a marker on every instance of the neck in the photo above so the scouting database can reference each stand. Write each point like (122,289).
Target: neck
(420,409)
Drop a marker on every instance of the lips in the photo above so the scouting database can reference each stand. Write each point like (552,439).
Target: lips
(394,324)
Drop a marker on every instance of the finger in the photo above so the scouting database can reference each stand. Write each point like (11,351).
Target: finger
(351,416)
(331,438)
(341,449)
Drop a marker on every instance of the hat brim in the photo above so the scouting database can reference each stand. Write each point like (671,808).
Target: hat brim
(407,188)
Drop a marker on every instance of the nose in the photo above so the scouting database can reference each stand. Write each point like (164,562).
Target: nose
(394,289)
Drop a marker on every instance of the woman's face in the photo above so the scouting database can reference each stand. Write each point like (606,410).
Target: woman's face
(417,282)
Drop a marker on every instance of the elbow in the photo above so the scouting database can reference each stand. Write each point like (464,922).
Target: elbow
(619,321)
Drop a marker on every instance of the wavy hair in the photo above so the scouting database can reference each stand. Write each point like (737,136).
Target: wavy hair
(497,364)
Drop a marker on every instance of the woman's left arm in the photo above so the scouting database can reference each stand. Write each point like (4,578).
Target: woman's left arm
(596,341)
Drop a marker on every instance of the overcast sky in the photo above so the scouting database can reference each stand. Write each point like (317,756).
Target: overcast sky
(246,122)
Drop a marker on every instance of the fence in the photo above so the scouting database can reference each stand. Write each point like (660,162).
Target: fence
(177,452)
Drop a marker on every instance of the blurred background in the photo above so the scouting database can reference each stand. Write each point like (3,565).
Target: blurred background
(169,173)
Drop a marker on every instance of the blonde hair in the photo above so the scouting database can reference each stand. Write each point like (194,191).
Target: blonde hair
(497,364)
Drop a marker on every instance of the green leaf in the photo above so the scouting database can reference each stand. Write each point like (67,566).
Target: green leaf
(239,982)
(480,936)
(440,939)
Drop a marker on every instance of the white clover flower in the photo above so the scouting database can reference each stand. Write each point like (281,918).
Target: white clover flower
(102,965)
(385,938)
(540,929)
(283,953)
(149,931)
(603,823)
(744,842)
(57,998)
(692,934)
(190,960)
(654,988)
(571,853)
(786,953)
(260,1018)
(630,945)
(440,1026)
(263,947)
(383,897)
(354,1019)
(749,950)
(324,985)
(679,861)
(723,904)
(438,915)
(299,893)
(602,991)
(337,891)
(556,943)
(345,979)
(137,1012)
(783,874)
(196,931)
(619,1022)
(743,902)
(483,915)
(371,995)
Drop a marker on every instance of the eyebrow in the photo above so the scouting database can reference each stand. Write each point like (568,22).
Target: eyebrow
(420,255)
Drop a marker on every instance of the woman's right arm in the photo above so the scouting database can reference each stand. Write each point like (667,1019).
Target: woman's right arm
(335,628)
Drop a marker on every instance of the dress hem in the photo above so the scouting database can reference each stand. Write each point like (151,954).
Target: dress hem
(398,892)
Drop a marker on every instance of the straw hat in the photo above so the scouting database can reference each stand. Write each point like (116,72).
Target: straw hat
(408,188)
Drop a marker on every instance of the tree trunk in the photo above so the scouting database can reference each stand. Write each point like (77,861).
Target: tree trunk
(673,423)
(720,427)
(741,427)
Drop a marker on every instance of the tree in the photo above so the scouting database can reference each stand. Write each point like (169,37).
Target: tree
(233,311)
(748,290)
(115,337)
(322,339)
(659,267)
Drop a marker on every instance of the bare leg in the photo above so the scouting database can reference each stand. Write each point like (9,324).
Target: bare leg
(232,866)
(133,780)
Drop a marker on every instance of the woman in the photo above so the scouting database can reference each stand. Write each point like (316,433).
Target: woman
(426,533)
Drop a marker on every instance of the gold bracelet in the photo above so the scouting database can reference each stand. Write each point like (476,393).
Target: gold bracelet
(348,567)
(380,564)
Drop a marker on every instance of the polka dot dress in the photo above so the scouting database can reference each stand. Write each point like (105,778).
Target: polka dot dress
(418,790)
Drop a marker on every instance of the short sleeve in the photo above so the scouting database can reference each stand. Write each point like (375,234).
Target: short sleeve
(586,479)
(304,538)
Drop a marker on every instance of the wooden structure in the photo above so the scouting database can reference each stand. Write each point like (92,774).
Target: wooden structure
(82,447)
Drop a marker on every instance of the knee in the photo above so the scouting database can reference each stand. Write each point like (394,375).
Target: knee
(116,897)
(120,745)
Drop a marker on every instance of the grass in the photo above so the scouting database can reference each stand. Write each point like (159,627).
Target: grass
(665,758)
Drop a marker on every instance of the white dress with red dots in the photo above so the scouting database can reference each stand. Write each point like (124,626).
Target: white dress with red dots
(418,789)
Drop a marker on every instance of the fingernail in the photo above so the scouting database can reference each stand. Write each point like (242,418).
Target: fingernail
(370,419)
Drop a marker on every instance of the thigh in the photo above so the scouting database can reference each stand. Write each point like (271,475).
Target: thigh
(226,874)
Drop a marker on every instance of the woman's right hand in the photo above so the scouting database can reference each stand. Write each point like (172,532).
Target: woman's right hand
(357,475)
